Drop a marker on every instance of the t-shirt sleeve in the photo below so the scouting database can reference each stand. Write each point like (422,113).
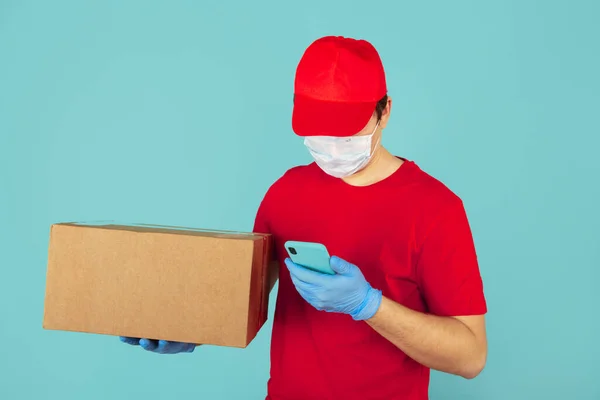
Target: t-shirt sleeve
(261,220)
(448,268)
(262,223)
(264,214)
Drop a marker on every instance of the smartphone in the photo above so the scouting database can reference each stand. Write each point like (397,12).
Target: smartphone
(313,256)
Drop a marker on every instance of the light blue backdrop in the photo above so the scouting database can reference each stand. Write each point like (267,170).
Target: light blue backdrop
(178,112)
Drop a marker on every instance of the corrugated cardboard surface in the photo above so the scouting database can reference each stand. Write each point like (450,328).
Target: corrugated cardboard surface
(156,282)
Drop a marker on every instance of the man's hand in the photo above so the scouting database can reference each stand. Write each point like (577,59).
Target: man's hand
(160,346)
(345,292)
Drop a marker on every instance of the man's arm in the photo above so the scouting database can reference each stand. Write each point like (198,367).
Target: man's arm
(456,345)
(451,337)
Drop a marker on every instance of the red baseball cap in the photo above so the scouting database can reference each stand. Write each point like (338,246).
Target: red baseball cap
(337,86)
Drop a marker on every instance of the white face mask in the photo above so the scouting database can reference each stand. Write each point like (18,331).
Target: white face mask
(341,156)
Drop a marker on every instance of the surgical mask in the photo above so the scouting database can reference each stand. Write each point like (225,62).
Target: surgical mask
(341,156)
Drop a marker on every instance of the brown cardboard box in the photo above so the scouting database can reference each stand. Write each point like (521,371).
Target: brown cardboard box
(196,286)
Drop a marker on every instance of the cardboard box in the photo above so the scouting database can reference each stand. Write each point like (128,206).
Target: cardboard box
(179,284)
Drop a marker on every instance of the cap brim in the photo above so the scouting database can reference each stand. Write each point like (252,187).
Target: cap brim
(326,118)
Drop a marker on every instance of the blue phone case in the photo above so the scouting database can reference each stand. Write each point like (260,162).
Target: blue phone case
(313,256)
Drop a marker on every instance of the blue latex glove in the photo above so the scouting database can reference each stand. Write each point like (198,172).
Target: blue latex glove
(345,292)
(160,346)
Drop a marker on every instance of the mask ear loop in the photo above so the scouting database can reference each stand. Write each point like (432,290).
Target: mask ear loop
(372,151)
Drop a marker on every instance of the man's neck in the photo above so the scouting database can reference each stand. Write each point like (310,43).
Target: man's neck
(382,165)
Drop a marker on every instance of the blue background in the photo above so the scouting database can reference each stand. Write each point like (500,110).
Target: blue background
(178,112)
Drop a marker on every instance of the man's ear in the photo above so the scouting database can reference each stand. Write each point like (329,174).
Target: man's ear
(385,115)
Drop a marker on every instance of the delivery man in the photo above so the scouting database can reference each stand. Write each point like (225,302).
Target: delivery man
(407,295)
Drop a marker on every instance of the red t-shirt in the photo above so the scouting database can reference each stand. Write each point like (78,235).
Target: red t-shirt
(409,235)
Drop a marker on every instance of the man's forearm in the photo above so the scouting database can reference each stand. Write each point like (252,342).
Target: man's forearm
(441,343)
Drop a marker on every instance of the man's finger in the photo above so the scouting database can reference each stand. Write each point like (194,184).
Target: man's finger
(340,266)
(130,340)
(304,274)
(300,285)
(162,346)
(148,344)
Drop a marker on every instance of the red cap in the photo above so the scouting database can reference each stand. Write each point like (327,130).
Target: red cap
(338,84)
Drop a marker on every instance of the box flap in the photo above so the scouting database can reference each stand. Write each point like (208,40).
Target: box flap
(138,227)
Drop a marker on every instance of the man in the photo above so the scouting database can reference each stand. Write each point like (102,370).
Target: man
(407,295)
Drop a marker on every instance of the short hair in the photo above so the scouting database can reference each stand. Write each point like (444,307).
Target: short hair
(381,105)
